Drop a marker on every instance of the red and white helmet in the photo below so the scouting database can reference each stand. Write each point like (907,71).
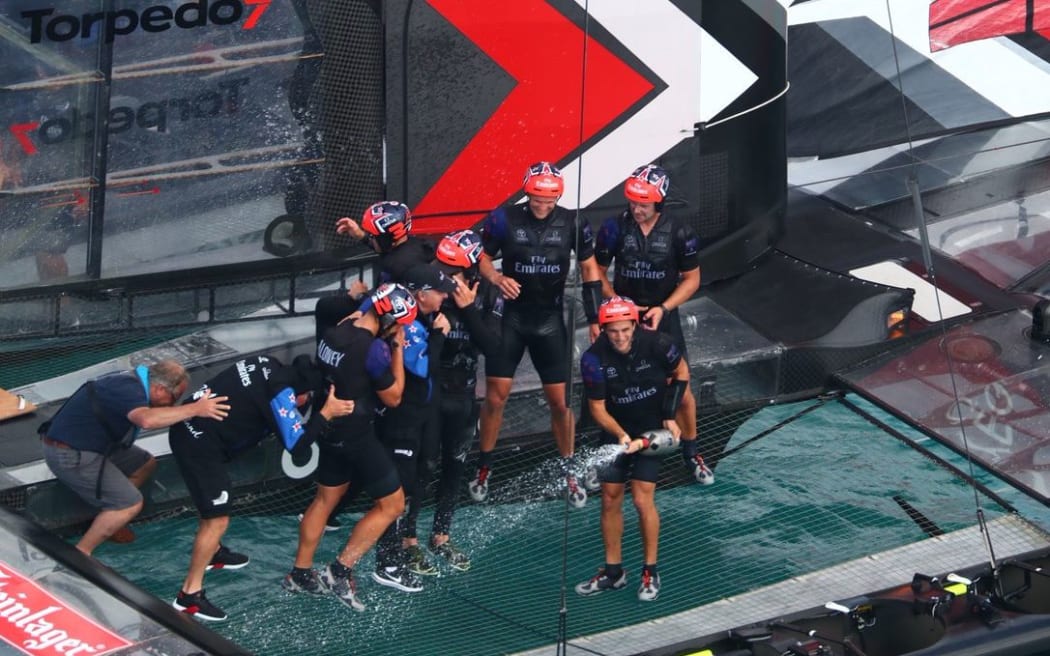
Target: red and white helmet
(647,184)
(387,222)
(544,179)
(460,249)
(393,304)
(617,308)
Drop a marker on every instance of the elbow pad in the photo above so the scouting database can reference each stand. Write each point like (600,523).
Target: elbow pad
(592,298)
(673,398)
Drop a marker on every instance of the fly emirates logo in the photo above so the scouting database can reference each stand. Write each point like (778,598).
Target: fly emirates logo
(34,622)
(48,25)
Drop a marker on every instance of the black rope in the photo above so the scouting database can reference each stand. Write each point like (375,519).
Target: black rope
(776,427)
(563,609)
(846,403)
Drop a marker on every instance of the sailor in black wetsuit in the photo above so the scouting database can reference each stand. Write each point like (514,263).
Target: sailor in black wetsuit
(386,227)
(536,240)
(402,429)
(363,359)
(656,266)
(265,397)
(633,380)
(473,312)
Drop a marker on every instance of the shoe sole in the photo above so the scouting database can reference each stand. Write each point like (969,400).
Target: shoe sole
(591,593)
(459,567)
(652,598)
(356,607)
(295,588)
(225,566)
(394,584)
(198,615)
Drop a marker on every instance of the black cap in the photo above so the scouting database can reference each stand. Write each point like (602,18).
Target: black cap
(303,375)
(427,276)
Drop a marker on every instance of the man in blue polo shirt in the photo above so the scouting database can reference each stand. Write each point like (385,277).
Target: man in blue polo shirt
(88,444)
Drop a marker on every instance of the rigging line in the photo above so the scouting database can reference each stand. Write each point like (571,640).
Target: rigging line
(900,80)
(933,457)
(774,428)
(927,255)
(783,92)
(570,337)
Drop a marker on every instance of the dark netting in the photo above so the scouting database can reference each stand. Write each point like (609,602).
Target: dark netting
(340,104)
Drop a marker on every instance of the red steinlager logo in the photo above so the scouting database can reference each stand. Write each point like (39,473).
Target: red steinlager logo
(35,622)
(46,24)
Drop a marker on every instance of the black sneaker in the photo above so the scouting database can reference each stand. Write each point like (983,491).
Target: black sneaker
(456,559)
(600,583)
(226,559)
(198,606)
(345,589)
(399,579)
(418,563)
(308,582)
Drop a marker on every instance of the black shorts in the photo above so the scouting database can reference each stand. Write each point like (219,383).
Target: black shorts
(671,325)
(542,331)
(630,467)
(359,458)
(202,462)
(401,430)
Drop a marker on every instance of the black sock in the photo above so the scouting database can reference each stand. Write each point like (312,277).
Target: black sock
(688,451)
(485,459)
(613,571)
(341,570)
(650,568)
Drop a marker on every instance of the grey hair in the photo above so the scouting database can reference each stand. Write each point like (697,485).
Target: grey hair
(168,374)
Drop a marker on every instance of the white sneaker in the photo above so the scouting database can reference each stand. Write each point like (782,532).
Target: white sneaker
(701,472)
(479,485)
(649,590)
(577,495)
(590,480)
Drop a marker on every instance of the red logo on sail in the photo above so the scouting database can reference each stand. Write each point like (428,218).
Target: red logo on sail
(35,622)
(959,21)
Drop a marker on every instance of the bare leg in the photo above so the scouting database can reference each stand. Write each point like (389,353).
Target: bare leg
(209,535)
(312,527)
(644,493)
(612,521)
(562,419)
(105,524)
(686,415)
(497,390)
(371,526)
(141,476)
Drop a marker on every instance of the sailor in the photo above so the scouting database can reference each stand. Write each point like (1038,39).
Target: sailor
(536,240)
(363,358)
(473,313)
(633,379)
(88,444)
(265,397)
(656,265)
(401,429)
(386,227)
